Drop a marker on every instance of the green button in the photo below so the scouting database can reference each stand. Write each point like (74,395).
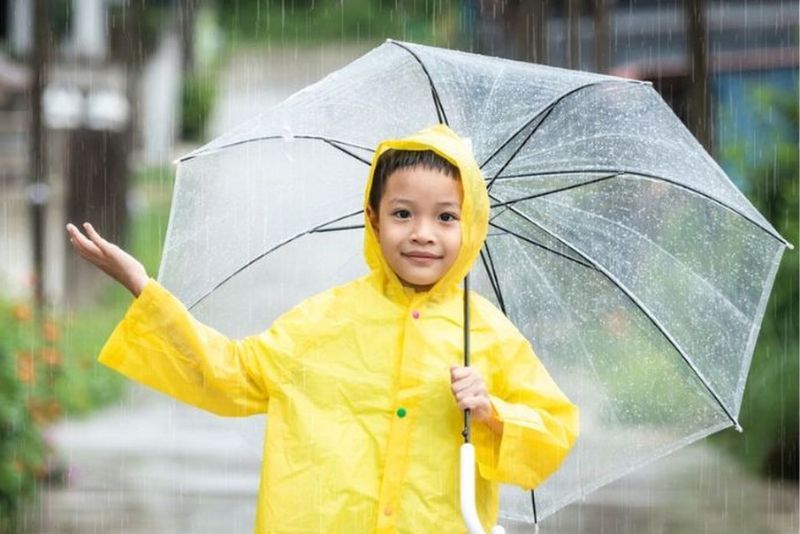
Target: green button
(401,412)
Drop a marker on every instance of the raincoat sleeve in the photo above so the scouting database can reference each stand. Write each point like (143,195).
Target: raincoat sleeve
(160,344)
(540,424)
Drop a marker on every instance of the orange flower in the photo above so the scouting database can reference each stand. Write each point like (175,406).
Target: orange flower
(50,356)
(38,412)
(50,331)
(53,410)
(40,471)
(26,368)
(22,312)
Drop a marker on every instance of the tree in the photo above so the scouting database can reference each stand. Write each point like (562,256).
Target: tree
(770,412)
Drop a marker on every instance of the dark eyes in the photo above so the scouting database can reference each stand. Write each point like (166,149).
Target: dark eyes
(406,214)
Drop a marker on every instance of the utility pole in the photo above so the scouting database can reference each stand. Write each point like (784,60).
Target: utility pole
(38,189)
(601,36)
(699,115)
(527,22)
(574,33)
(539,10)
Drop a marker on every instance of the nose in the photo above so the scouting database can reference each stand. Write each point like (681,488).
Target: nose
(422,231)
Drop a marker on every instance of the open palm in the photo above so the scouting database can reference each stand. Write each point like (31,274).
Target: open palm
(108,257)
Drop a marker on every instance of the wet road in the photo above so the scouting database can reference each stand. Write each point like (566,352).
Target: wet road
(152,466)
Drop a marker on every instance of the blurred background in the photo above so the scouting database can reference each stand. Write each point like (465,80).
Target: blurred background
(98,97)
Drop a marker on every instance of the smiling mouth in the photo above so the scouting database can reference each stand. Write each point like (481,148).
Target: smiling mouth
(421,256)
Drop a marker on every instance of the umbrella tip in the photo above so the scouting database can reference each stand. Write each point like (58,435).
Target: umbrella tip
(739,428)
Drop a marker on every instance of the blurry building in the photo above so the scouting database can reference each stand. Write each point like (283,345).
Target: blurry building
(110,102)
(748,44)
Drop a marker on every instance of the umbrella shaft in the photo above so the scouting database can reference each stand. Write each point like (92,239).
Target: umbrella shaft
(466,431)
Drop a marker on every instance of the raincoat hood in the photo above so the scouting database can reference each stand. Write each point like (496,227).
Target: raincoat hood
(474,209)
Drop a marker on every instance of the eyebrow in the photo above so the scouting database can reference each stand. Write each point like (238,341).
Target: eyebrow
(444,204)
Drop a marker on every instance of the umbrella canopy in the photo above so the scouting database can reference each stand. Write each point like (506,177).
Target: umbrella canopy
(636,269)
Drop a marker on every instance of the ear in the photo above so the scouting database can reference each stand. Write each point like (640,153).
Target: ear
(373,221)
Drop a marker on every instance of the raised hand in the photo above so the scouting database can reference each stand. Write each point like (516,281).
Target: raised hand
(109,258)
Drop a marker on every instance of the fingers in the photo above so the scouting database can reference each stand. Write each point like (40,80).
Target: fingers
(471,393)
(96,240)
(468,383)
(480,406)
(462,378)
(477,405)
(475,389)
(457,372)
(86,247)
(93,235)
(469,388)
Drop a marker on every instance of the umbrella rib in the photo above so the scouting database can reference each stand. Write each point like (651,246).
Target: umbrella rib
(522,144)
(498,292)
(619,285)
(546,111)
(537,244)
(337,229)
(276,137)
(498,214)
(337,147)
(493,281)
(550,192)
(437,102)
(647,238)
(269,251)
(620,172)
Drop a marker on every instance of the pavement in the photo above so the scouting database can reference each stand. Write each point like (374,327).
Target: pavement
(151,465)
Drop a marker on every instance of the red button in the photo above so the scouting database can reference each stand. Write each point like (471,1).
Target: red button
(415,314)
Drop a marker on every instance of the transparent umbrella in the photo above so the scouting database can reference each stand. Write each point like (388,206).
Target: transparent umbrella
(636,269)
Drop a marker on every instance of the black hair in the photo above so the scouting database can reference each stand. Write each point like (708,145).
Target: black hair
(395,159)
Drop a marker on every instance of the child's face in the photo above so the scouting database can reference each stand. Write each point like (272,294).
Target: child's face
(418,224)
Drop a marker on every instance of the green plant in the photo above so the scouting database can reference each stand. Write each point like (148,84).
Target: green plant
(769,413)
(308,21)
(199,92)
(48,367)
(25,373)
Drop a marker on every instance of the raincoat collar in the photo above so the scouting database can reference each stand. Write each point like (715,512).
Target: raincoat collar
(474,214)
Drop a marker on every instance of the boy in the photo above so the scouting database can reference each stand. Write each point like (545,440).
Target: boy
(362,383)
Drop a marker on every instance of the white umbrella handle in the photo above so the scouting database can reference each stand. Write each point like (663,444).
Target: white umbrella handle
(468,510)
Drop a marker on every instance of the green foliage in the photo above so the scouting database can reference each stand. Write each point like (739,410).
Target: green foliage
(48,368)
(27,369)
(150,223)
(309,21)
(60,14)
(199,92)
(770,412)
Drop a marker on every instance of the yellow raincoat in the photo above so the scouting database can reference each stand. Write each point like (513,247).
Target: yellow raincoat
(364,432)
